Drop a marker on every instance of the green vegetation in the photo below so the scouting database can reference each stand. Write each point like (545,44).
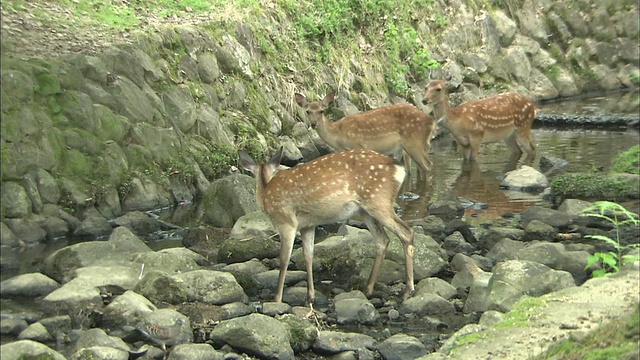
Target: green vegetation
(611,261)
(523,311)
(334,24)
(594,186)
(613,186)
(628,161)
(617,339)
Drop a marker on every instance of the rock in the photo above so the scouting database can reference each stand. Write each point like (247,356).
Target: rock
(233,250)
(98,337)
(251,267)
(354,308)
(15,201)
(495,234)
(269,279)
(227,199)
(251,225)
(426,304)
(58,326)
(36,332)
(211,287)
(401,347)
(93,227)
(247,334)
(167,262)
(513,279)
(574,206)
(124,277)
(274,308)
(525,178)
(160,287)
(27,229)
(537,230)
(30,285)
(478,292)
(466,273)
(195,352)
(11,325)
(436,286)
(505,250)
(22,349)
(76,298)
(185,253)
(456,244)
(446,208)
(334,342)
(490,318)
(550,162)
(138,222)
(100,352)
(555,218)
(126,309)
(303,332)
(7,237)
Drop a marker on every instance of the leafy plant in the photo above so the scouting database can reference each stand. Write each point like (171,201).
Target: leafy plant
(610,261)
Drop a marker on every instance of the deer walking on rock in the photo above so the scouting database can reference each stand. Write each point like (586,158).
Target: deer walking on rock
(328,189)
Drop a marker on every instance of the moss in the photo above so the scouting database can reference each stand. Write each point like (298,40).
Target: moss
(522,312)
(590,186)
(470,338)
(48,84)
(76,165)
(627,161)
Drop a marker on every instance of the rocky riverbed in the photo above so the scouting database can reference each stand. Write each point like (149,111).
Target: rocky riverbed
(214,294)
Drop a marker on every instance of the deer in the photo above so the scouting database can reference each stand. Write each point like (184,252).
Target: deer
(507,117)
(332,188)
(386,130)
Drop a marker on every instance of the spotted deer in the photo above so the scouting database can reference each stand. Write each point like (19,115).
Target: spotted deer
(328,189)
(505,117)
(386,130)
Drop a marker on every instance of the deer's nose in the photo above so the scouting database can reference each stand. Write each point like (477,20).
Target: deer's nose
(314,124)
(425,101)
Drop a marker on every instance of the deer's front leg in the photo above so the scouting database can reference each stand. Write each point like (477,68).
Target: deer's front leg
(287,236)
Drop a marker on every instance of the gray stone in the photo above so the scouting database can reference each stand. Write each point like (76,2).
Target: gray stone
(269,279)
(525,178)
(274,308)
(229,198)
(36,332)
(98,337)
(160,287)
(138,222)
(30,285)
(118,250)
(181,109)
(251,267)
(513,279)
(506,249)
(354,308)
(247,334)
(240,250)
(31,187)
(75,298)
(27,229)
(537,230)
(15,201)
(555,218)
(334,342)
(208,68)
(7,237)
(166,262)
(506,27)
(211,287)
(126,309)
(426,304)
(11,325)
(195,352)
(305,332)
(401,347)
(478,292)
(574,206)
(490,318)
(436,286)
(100,353)
(93,227)
(253,224)
(28,349)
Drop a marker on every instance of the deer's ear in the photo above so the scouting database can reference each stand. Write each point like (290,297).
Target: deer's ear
(247,162)
(275,159)
(328,100)
(301,99)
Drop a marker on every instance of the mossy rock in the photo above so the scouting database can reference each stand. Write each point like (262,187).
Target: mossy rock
(595,186)
(628,161)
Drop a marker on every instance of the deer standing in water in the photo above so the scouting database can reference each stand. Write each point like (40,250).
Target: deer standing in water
(505,117)
(328,189)
(386,130)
